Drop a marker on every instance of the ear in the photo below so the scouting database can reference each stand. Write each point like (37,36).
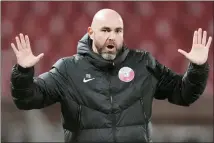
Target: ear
(90,32)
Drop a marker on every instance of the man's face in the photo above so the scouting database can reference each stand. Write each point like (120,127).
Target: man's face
(108,37)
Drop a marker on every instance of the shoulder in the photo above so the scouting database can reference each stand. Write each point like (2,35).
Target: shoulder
(140,52)
(143,55)
(65,61)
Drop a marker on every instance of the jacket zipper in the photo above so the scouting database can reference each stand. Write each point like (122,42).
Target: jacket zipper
(113,121)
(145,116)
(113,115)
(79,116)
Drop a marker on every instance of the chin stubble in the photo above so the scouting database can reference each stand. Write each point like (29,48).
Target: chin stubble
(108,56)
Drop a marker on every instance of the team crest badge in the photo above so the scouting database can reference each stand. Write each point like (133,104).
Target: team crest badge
(126,74)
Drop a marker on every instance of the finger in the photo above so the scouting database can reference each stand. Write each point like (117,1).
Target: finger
(199,35)
(14,49)
(195,37)
(204,38)
(183,52)
(40,56)
(209,42)
(27,41)
(22,40)
(19,46)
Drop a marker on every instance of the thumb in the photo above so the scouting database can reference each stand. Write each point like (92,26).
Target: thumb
(40,56)
(183,52)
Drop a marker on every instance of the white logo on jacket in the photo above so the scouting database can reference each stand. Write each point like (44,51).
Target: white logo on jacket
(87,78)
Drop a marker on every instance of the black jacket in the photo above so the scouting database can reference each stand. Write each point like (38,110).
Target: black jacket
(96,105)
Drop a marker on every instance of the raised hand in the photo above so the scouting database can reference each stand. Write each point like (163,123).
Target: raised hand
(200,48)
(23,52)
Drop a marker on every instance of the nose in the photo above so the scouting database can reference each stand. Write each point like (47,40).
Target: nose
(112,35)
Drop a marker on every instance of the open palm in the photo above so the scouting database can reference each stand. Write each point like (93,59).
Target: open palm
(200,48)
(23,52)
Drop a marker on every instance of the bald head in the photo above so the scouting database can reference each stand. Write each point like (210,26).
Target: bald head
(105,15)
(106,31)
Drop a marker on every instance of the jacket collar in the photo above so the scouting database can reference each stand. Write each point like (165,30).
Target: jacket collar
(84,48)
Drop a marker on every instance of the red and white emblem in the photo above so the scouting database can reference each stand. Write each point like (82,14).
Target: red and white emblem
(126,74)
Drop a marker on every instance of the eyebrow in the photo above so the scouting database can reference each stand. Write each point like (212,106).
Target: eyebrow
(105,27)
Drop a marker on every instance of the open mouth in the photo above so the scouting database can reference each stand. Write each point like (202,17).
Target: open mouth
(110,46)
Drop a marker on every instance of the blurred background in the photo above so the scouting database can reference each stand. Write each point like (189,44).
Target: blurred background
(54,28)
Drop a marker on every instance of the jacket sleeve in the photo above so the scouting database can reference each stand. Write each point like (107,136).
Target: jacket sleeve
(29,92)
(179,89)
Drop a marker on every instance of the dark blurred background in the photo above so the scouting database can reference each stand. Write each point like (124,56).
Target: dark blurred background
(55,28)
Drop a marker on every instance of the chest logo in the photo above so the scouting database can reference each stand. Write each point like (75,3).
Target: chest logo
(126,74)
(87,78)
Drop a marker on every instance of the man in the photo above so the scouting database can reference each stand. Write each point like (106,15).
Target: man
(106,90)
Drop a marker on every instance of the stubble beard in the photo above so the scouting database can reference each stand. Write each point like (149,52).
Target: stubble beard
(106,55)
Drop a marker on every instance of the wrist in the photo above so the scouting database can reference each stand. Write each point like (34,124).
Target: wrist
(202,66)
(24,70)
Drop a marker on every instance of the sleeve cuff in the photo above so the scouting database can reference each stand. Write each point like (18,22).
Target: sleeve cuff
(204,66)
(24,70)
